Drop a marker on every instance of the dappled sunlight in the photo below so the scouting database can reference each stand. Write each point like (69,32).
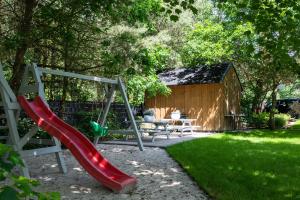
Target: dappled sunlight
(135,163)
(212,118)
(45,178)
(265,133)
(80,189)
(265,140)
(174,170)
(144,172)
(48,165)
(175,183)
(235,163)
(160,173)
(54,165)
(263,137)
(215,106)
(157,174)
(187,167)
(117,150)
(79,169)
(265,174)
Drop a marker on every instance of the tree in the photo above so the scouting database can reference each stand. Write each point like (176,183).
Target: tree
(31,22)
(276,27)
(208,43)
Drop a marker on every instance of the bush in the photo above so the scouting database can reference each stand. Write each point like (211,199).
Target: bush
(281,120)
(17,187)
(84,119)
(25,124)
(260,120)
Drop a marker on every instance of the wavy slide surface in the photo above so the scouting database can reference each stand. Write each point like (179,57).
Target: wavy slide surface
(82,149)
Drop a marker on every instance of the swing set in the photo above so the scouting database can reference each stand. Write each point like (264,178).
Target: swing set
(38,110)
(98,129)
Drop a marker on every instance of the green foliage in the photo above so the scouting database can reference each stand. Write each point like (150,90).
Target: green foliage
(173,8)
(260,120)
(275,46)
(291,90)
(17,187)
(281,120)
(138,85)
(141,10)
(207,43)
(85,117)
(212,42)
(24,125)
(144,80)
(154,58)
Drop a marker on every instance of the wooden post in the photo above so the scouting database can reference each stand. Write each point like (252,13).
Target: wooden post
(103,117)
(11,109)
(41,93)
(130,114)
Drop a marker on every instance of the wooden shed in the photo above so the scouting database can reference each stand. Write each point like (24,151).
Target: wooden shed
(210,94)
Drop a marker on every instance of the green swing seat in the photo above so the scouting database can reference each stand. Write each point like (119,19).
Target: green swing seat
(98,130)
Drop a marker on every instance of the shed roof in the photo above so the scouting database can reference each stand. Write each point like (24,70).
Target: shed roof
(197,75)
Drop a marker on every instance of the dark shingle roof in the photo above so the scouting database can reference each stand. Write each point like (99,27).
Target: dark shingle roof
(196,75)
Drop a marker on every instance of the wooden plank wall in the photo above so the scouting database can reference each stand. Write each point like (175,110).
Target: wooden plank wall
(232,97)
(208,103)
(201,102)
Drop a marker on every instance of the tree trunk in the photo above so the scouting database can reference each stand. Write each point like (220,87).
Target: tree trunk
(52,79)
(273,108)
(24,32)
(67,64)
(257,100)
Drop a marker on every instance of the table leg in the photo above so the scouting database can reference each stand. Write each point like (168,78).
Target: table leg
(166,130)
(191,127)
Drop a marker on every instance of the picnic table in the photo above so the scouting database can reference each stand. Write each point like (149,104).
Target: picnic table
(160,128)
(185,124)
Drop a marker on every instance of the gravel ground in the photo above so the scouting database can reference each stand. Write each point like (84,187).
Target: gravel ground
(161,140)
(159,177)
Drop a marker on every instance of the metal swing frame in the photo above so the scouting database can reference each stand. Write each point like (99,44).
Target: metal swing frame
(31,83)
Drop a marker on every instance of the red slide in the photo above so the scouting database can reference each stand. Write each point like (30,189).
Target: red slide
(82,149)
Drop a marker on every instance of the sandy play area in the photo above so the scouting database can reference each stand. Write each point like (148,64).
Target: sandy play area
(159,177)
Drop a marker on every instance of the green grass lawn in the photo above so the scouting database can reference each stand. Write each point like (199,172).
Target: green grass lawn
(296,125)
(260,164)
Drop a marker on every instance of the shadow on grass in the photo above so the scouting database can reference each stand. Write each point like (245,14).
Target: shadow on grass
(230,168)
(265,133)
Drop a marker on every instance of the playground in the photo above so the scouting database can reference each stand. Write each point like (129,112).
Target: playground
(149,100)
(159,177)
(135,167)
(158,174)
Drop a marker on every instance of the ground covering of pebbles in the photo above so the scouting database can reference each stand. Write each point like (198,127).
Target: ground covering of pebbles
(159,177)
